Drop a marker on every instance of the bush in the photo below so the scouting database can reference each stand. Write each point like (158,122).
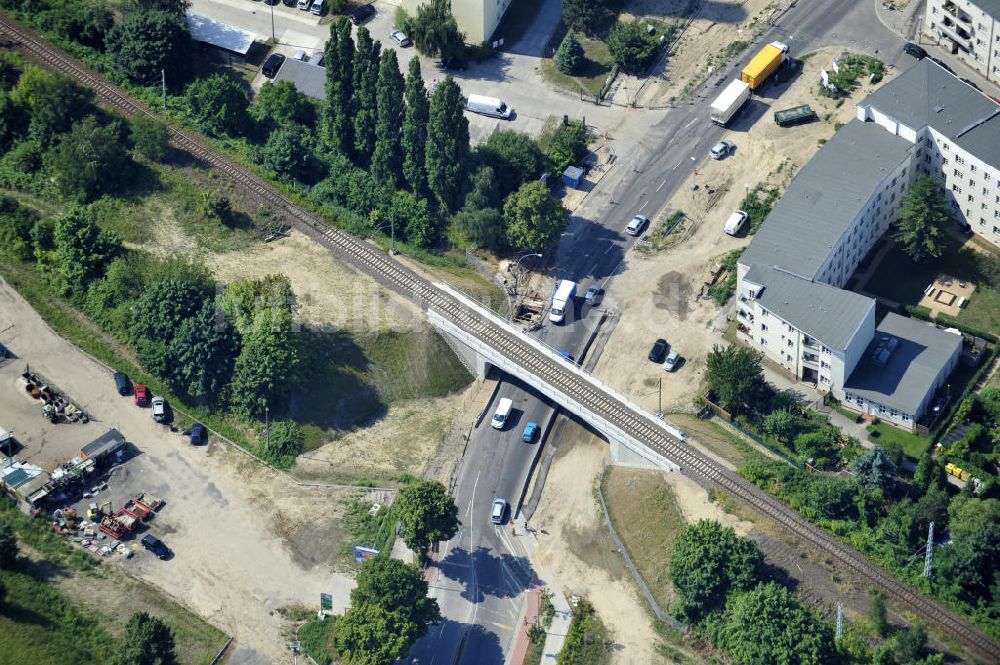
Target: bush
(568,146)
(150,137)
(282,443)
(632,47)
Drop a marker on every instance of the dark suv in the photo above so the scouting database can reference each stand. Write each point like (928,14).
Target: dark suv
(362,14)
(272,65)
(916,51)
(156,546)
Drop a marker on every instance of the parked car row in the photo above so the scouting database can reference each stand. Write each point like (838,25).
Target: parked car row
(143,398)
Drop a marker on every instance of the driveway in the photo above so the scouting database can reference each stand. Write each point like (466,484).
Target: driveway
(228,520)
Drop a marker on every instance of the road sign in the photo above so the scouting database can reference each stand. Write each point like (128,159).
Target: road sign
(326,602)
(362,553)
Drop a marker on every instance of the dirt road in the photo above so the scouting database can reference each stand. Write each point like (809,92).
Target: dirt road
(226,518)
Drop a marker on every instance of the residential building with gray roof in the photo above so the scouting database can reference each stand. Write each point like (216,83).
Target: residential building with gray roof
(969,29)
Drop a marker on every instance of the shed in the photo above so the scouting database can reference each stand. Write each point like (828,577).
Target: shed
(572,176)
(221,35)
(105,445)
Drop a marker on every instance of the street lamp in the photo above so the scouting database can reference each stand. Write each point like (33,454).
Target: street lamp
(746,198)
(517,270)
(274,40)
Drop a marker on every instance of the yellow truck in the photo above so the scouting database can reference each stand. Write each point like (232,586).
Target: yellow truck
(765,63)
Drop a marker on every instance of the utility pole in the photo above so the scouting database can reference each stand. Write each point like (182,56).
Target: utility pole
(929,556)
(163,82)
(267,428)
(392,232)
(659,398)
(273,38)
(840,621)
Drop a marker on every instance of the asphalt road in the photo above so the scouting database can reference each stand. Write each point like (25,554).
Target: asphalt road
(478,567)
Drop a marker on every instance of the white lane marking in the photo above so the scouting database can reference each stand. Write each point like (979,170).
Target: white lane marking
(676,165)
(693,120)
(593,271)
(641,208)
(611,247)
(661,185)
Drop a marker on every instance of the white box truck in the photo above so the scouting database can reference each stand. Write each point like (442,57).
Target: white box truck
(491,106)
(562,300)
(730,101)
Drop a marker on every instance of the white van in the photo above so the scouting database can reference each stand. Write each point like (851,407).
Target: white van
(735,222)
(304,5)
(317,7)
(503,411)
(489,106)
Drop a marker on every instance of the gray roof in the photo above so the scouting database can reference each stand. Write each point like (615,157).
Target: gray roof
(991,7)
(223,35)
(827,313)
(825,198)
(926,94)
(307,78)
(983,140)
(912,369)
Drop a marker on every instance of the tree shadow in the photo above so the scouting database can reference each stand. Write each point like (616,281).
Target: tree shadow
(498,576)
(455,642)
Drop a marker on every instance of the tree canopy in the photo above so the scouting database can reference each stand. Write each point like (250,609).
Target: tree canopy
(389,91)
(414,133)
(427,514)
(434,30)
(397,587)
(515,158)
(8,544)
(143,43)
(89,161)
(219,105)
(282,103)
(631,47)
(533,216)
(82,251)
(922,220)
(372,635)
(55,103)
(447,144)
(874,469)
(147,641)
(735,376)
(588,16)
(288,153)
(708,562)
(569,57)
(339,58)
(150,137)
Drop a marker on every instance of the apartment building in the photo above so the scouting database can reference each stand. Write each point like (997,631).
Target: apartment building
(970,30)
(791,299)
(477,19)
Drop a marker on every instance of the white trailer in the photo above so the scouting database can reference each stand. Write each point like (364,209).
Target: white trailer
(562,300)
(730,101)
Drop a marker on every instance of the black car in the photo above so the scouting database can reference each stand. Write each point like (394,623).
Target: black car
(123,385)
(199,435)
(288,3)
(943,65)
(362,14)
(271,3)
(272,65)
(659,349)
(156,546)
(968,82)
(917,52)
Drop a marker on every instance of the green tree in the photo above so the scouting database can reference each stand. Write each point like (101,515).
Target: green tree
(288,153)
(975,563)
(219,105)
(388,139)
(483,190)
(12,121)
(281,103)
(163,307)
(631,47)
(877,615)
(147,641)
(54,102)
(568,146)
(339,104)
(434,30)
(570,54)
(143,43)
(588,16)
(150,137)
(414,135)
(707,563)
(515,158)
(766,625)
(176,7)
(874,469)
(8,544)
(399,588)
(413,217)
(830,498)
(89,161)
(427,514)
(16,222)
(735,376)
(366,81)
(481,227)
(282,443)
(781,424)
(200,355)
(533,217)
(447,144)
(85,22)
(922,220)
(82,251)
(928,473)
(968,515)
(909,645)
(372,635)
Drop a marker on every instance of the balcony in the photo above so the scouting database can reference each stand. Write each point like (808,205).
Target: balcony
(810,343)
(955,33)
(810,360)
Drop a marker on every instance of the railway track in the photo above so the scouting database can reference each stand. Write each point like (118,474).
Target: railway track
(637,423)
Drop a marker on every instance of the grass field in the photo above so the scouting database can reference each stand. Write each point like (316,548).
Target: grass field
(913,445)
(713,436)
(645,514)
(593,71)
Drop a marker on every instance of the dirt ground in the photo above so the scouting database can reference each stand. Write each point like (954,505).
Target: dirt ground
(714,27)
(247,541)
(660,290)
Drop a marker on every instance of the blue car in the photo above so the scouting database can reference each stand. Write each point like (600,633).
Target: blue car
(530,432)
(566,355)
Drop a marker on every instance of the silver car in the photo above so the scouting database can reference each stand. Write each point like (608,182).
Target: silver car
(637,225)
(400,38)
(722,148)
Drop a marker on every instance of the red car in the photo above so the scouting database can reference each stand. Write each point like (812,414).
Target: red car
(141,393)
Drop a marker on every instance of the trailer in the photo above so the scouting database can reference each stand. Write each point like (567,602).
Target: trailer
(794,116)
(729,102)
(765,63)
(153,503)
(119,525)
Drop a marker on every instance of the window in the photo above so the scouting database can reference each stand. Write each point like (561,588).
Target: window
(946,147)
(986,192)
(790,344)
(763,327)
(972,167)
(824,380)
(958,158)
(956,189)
(971,198)
(763,342)
(972,182)
(958,174)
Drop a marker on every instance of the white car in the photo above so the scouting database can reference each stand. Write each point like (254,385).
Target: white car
(400,38)
(594,294)
(499,510)
(722,148)
(673,359)
(159,409)
(637,225)
(299,55)
(735,223)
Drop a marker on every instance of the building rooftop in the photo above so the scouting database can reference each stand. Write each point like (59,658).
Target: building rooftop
(983,140)
(911,369)
(927,94)
(307,78)
(826,196)
(222,35)
(827,313)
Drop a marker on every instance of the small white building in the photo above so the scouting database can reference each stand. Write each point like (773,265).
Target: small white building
(969,29)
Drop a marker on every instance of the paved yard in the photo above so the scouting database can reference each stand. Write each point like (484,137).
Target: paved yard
(246,540)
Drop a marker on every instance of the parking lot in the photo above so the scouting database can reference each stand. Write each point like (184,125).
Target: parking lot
(246,540)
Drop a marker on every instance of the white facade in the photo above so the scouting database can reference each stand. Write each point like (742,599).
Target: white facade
(477,19)
(967,30)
